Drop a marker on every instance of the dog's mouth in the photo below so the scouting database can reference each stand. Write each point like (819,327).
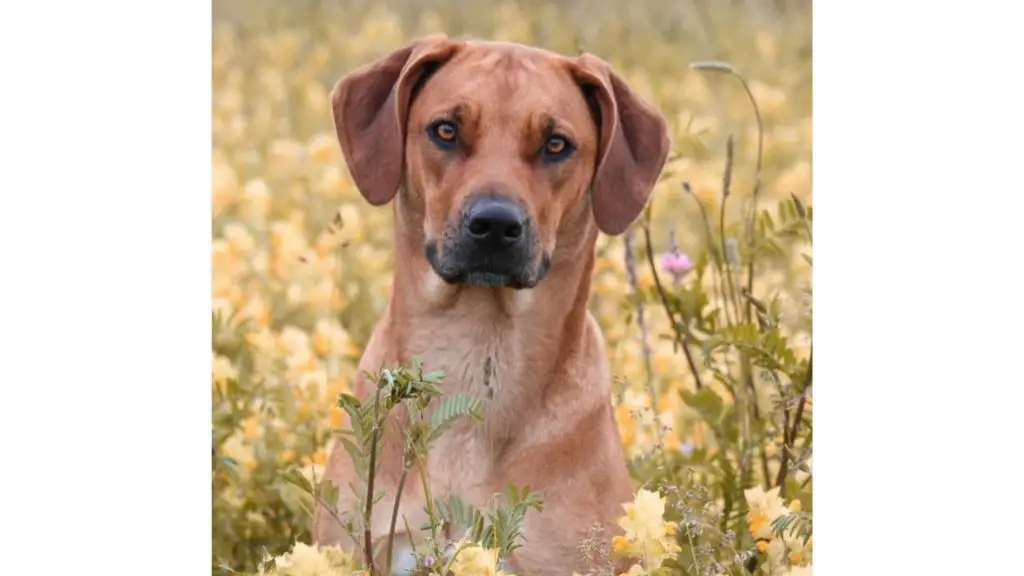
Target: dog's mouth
(459,265)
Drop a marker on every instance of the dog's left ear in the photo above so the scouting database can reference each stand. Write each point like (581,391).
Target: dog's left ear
(634,145)
(370,106)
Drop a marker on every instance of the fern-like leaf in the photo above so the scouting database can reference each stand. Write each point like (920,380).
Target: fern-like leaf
(797,523)
(451,408)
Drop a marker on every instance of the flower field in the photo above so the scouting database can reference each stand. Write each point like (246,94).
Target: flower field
(719,443)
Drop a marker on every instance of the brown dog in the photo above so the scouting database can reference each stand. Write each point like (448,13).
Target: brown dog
(504,162)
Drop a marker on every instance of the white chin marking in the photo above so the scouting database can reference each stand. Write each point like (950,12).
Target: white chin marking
(521,300)
(403,560)
(433,285)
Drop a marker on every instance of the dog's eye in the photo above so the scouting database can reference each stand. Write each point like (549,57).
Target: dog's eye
(557,148)
(444,134)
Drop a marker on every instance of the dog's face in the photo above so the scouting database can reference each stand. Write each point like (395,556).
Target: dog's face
(500,146)
(502,149)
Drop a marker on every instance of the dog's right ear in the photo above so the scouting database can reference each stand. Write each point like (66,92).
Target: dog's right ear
(370,107)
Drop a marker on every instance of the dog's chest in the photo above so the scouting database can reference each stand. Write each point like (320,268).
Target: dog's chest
(462,460)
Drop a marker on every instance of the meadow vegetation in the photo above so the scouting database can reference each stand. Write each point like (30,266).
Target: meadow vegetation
(705,303)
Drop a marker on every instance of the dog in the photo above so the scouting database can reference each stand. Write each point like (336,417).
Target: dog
(503,163)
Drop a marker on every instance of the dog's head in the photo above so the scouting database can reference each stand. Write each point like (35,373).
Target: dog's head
(500,149)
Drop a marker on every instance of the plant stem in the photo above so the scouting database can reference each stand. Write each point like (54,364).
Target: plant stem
(726,185)
(668,309)
(394,519)
(712,249)
(367,538)
(693,551)
(757,186)
(334,514)
(789,435)
(421,467)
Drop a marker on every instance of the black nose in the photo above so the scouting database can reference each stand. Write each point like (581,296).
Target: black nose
(498,222)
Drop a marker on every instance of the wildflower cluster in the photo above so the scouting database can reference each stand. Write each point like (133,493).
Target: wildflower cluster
(720,263)
(647,535)
(786,551)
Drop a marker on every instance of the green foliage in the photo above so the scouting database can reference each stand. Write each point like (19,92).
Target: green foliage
(451,409)
(500,526)
(797,523)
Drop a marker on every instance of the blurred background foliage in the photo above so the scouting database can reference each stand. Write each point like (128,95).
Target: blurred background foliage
(301,264)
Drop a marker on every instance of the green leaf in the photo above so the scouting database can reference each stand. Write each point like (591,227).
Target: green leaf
(331,492)
(799,206)
(705,402)
(450,409)
(797,523)
(295,478)
(433,377)
(356,454)
(347,401)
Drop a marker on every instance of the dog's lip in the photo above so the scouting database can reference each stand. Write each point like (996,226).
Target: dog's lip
(485,279)
(483,275)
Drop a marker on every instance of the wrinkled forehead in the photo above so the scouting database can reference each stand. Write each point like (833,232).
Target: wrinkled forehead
(504,82)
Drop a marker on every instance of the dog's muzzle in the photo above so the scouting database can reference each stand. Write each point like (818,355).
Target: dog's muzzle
(493,245)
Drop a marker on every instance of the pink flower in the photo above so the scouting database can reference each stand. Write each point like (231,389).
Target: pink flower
(676,263)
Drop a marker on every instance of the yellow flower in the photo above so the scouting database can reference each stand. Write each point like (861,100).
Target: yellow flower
(471,559)
(256,203)
(336,417)
(762,546)
(305,560)
(647,534)
(331,339)
(293,340)
(257,310)
(223,369)
(764,507)
(799,552)
(627,428)
(644,516)
(238,238)
(322,148)
(251,429)
(775,552)
(350,221)
(225,182)
(619,545)
(332,182)
(314,380)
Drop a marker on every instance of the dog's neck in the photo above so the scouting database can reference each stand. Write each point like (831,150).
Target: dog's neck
(502,343)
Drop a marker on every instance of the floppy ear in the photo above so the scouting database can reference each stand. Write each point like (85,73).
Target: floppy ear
(634,145)
(370,106)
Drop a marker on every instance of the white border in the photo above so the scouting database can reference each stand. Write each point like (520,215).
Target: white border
(105,287)
(918,203)
(104,231)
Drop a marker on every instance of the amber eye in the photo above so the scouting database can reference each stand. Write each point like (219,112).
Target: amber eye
(557,148)
(445,131)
